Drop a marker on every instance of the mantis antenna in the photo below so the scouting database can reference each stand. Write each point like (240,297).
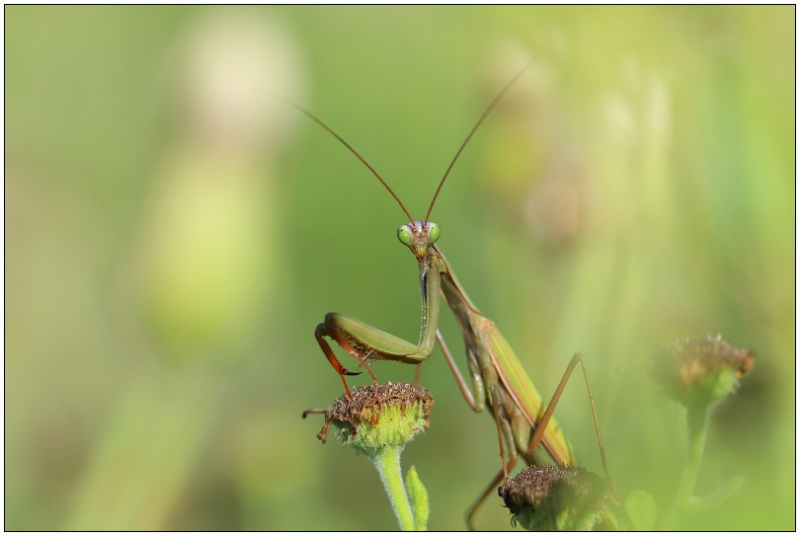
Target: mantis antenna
(326,127)
(488,110)
(485,114)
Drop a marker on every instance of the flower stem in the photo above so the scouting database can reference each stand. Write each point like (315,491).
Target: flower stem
(697,420)
(387,461)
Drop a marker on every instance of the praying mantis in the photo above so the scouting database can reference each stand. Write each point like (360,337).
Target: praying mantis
(525,427)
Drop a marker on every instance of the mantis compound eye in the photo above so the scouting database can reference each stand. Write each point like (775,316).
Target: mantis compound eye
(404,235)
(433,232)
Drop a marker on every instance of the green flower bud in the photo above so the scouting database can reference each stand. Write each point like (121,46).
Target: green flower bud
(379,415)
(556,497)
(699,371)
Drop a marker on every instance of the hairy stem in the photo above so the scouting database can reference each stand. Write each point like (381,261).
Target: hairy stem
(387,461)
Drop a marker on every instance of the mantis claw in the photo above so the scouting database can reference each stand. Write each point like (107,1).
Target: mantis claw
(348,373)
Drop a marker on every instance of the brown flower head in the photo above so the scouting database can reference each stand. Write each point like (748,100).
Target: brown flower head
(379,414)
(556,497)
(699,370)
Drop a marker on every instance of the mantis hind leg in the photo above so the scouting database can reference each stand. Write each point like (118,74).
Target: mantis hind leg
(541,425)
(500,476)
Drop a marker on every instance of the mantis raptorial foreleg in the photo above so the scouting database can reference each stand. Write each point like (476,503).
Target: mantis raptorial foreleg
(324,330)
(364,342)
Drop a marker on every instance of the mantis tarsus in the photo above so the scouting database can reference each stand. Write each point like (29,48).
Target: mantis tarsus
(525,428)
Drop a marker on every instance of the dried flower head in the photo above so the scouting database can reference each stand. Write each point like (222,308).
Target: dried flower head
(699,370)
(379,415)
(556,497)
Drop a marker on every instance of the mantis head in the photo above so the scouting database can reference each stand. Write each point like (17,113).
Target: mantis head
(418,236)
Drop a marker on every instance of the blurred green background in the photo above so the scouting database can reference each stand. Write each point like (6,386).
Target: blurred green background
(174,234)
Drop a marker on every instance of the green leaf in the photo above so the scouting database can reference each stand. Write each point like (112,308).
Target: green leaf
(641,508)
(419,499)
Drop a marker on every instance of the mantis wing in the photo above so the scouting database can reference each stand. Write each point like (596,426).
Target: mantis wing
(521,389)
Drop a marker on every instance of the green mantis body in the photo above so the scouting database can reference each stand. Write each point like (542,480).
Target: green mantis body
(499,382)
(525,427)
